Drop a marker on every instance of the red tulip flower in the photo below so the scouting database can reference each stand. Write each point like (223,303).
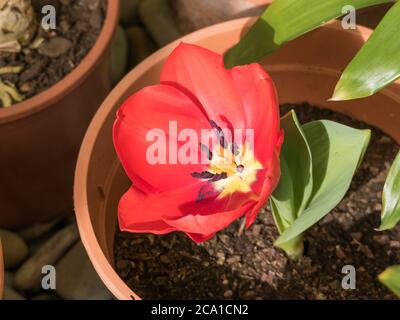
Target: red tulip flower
(198,197)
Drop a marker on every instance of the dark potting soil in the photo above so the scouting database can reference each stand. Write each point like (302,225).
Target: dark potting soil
(244,264)
(78,25)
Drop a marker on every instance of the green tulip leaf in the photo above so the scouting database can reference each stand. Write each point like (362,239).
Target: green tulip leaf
(391,197)
(336,152)
(391,278)
(295,185)
(376,65)
(285,20)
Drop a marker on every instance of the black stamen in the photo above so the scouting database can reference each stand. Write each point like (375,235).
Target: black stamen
(222,141)
(205,175)
(240,168)
(235,149)
(205,149)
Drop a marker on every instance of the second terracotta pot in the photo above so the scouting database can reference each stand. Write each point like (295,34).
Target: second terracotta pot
(305,69)
(40,137)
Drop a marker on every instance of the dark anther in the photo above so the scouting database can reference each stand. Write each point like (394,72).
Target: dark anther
(209,176)
(223,142)
(219,176)
(240,168)
(235,149)
(205,149)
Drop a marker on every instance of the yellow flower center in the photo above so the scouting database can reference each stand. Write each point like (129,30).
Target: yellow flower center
(239,170)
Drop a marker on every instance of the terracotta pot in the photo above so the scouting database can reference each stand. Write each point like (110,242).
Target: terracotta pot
(193,15)
(306,69)
(40,137)
(1,271)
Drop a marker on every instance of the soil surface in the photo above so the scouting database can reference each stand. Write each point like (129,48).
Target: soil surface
(55,53)
(240,264)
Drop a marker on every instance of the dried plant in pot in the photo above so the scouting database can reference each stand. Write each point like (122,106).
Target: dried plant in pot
(306,69)
(51,86)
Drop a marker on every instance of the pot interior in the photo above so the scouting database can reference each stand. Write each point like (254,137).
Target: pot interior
(306,69)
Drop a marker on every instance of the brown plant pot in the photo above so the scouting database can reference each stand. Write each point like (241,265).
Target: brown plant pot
(40,137)
(1,271)
(193,15)
(306,69)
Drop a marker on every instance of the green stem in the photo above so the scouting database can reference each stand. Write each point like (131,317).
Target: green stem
(294,248)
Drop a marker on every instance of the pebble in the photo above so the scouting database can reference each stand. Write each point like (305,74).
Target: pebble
(381,239)
(157,17)
(394,244)
(15,249)
(140,45)
(8,279)
(28,276)
(55,47)
(119,55)
(45,296)
(77,279)
(11,294)
(228,294)
(129,12)
(36,231)
(340,253)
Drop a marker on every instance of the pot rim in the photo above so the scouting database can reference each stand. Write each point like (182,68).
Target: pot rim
(103,267)
(72,80)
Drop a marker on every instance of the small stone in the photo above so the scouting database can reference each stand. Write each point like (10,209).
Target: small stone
(55,47)
(320,296)
(8,278)
(11,294)
(220,258)
(257,230)
(165,260)
(156,15)
(228,294)
(119,55)
(28,276)
(356,236)
(381,239)
(77,279)
(45,296)
(129,12)
(340,253)
(15,249)
(140,45)
(234,260)
(394,244)
(367,251)
(38,230)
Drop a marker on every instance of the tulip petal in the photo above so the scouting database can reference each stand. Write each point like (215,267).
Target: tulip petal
(155,109)
(260,100)
(271,180)
(200,73)
(181,210)
(135,216)
(205,225)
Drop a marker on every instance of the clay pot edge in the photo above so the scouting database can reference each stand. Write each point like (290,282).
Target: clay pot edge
(88,237)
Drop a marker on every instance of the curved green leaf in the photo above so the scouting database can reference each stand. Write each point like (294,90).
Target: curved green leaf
(285,20)
(391,197)
(336,153)
(295,185)
(391,278)
(376,65)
